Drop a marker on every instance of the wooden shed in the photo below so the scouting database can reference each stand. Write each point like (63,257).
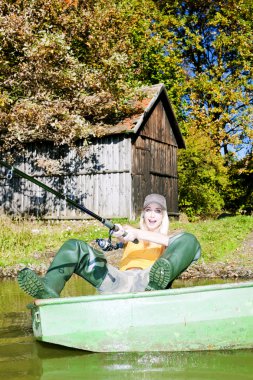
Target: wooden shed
(111,176)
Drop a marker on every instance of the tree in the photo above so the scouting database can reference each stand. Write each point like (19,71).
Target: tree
(69,71)
(203,178)
(239,194)
(214,39)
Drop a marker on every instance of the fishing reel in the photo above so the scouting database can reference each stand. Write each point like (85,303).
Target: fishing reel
(106,244)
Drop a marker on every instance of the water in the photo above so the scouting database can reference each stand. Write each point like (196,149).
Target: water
(21,357)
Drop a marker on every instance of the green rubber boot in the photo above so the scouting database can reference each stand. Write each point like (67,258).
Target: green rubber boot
(34,285)
(181,252)
(75,256)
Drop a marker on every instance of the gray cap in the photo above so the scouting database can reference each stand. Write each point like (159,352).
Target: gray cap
(155,198)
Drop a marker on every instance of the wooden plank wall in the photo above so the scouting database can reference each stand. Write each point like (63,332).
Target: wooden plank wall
(99,178)
(158,126)
(154,159)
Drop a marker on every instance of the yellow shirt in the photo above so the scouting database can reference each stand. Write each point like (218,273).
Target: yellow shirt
(140,255)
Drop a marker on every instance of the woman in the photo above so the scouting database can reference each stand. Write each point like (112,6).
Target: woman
(151,264)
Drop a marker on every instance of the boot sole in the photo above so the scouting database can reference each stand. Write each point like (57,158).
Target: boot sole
(159,275)
(33,285)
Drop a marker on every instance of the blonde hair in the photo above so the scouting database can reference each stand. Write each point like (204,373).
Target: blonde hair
(164,227)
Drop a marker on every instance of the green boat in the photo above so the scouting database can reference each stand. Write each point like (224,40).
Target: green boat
(212,317)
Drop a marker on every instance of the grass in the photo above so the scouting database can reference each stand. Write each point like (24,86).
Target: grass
(219,238)
(23,241)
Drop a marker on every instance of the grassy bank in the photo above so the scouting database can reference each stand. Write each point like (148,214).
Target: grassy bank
(220,238)
(23,241)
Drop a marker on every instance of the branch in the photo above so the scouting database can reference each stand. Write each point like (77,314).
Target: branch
(244,105)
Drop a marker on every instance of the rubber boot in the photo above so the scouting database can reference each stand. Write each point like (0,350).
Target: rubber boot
(181,252)
(75,256)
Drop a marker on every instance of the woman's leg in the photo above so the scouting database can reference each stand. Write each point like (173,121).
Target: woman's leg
(117,281)
(181,252)
(75,256)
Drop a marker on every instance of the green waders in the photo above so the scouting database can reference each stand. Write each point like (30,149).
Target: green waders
(75,256)
(181,252)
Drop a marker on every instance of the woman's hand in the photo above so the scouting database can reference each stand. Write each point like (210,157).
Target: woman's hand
(126,233)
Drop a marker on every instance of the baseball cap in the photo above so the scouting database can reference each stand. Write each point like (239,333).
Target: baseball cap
(155,198)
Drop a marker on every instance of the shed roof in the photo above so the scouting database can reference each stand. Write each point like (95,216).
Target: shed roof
(152,95)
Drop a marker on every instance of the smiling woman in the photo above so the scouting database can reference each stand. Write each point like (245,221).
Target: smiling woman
(153,216)
(151,260)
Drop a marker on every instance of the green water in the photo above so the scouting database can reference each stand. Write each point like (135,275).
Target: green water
(21,357)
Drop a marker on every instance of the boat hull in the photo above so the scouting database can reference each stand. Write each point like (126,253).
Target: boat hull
(214,317)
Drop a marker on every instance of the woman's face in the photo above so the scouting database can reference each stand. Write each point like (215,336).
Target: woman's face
(153,216)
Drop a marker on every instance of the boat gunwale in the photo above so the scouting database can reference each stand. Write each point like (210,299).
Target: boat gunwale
(158,293)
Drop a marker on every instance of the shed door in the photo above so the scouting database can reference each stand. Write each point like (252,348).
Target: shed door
(141,172)
(154,170)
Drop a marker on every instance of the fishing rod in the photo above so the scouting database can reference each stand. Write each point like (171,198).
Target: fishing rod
(12,169)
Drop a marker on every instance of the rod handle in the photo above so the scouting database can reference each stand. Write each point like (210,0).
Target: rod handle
(115,228)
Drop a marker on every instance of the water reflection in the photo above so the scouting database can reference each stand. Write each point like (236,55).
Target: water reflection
(21,357)
(150,366)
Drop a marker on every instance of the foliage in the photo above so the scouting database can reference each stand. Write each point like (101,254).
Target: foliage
(68,72)
(214,39)
(239,195)
(202,176)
